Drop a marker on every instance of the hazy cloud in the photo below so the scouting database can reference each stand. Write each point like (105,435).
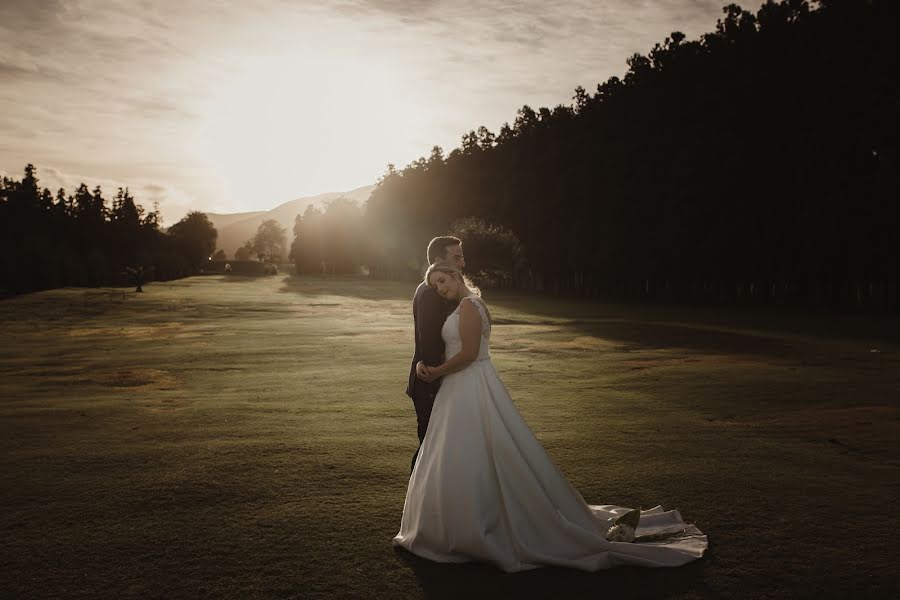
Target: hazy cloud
(125,91)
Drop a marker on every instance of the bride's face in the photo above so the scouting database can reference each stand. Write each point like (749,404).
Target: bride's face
(447,285)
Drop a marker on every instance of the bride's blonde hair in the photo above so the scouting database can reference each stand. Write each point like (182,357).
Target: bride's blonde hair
(444,267)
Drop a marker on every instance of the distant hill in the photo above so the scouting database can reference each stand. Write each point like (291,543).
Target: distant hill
(235,229)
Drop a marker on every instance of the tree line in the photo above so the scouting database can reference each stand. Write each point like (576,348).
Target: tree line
(83,239)
(757,164)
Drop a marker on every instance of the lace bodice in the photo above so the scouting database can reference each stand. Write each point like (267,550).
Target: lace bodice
(450,331)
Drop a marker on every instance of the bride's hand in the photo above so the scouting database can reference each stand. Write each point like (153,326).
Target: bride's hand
(430,374)
(422,371)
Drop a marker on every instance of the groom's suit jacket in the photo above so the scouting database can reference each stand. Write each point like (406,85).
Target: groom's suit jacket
(429,313)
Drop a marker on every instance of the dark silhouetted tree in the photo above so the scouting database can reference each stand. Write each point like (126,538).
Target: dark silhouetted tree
(195,236)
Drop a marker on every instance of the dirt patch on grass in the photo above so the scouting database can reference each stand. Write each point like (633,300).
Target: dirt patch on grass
(587,342)
(131,379)
(378,336)
(156,379)
(134,332)
(506,321)
(674,359)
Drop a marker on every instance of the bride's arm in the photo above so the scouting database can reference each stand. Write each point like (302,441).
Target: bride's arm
(470,334)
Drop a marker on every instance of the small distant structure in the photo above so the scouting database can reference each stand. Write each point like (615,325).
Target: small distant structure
(138,276)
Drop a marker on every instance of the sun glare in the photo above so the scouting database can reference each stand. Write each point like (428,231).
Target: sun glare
(305,125)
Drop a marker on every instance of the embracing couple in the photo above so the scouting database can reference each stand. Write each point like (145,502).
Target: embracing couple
(482,486)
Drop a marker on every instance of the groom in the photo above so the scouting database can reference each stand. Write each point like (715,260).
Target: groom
(429,313)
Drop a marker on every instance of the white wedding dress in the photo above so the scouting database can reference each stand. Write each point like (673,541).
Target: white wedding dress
(484,489)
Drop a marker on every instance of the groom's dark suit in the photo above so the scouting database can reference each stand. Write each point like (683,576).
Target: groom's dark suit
(429,313)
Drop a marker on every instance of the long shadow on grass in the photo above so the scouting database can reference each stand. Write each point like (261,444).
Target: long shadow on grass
(778,321)
(777,332)
(635,335)
(730,330)
(481,581)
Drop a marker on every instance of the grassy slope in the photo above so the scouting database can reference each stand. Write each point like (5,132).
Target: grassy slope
(229,437)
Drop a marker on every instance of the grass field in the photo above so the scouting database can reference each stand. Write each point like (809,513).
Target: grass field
(249,438)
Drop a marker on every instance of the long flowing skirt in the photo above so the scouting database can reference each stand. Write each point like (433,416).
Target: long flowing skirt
(484,489)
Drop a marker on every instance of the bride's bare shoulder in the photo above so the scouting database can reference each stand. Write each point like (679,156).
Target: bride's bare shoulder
(478,304)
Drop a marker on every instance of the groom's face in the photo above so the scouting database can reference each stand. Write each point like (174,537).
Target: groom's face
(454,256)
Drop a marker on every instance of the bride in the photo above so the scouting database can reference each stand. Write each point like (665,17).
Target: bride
(484,489)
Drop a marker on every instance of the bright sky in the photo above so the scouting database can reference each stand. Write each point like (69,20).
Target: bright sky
(241,106)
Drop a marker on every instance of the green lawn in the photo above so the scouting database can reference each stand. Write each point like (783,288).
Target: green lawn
(249,438)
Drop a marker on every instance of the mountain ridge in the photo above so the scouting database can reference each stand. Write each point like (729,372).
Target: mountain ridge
(236,228)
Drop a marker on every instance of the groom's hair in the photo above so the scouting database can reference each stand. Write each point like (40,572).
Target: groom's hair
(437,248)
